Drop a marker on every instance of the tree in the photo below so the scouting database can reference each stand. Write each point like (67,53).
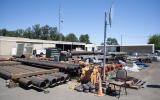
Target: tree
(36,31)
(155,39)
(28,33)
(111,41)
(71,37)
(45,32)
(3,32)
(19,33)
(84,38)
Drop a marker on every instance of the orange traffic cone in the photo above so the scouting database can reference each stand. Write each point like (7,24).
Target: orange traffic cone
(100,92)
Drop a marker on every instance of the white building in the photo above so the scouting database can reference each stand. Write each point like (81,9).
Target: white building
(16,46)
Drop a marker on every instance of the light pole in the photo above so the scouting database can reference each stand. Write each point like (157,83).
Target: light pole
(106,22)
(104,56)
(60,21)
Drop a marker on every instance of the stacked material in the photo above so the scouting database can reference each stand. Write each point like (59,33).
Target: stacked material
(44,81)
(69,68)
(88,87)
(135,67)
(86,53)
(111,67)
(4,59)
(15,72)
(28,76)
(9,63)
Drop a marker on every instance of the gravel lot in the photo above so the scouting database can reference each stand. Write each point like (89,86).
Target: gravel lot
(151,75)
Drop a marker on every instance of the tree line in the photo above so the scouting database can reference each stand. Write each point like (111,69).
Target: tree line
(45,33)
(155,39)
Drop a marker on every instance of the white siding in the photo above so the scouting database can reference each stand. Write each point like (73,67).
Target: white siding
(42,46)
(6,47)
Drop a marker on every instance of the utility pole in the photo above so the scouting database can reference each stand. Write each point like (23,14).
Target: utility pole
(59,17)
(107,21)
(104,58)
(121,43)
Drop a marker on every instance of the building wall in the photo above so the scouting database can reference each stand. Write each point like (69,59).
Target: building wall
(7,47)
(43,46)
(90,47)
(149,48)
(138,49)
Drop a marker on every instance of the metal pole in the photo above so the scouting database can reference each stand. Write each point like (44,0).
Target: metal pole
(59,20)
(121,44)
(104,59)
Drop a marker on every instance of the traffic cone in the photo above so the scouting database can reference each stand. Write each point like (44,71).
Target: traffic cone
(100,91)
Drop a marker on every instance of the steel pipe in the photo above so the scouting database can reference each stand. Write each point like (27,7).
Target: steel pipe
(5,74)
(52,79)
(39,82)
(49,65)
(25,82)
(61,76)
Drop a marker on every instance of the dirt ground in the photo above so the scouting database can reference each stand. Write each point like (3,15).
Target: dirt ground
(65,92)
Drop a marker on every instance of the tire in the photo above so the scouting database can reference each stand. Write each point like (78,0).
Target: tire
(79,88)
(85,87)
(93,91)
(86,91)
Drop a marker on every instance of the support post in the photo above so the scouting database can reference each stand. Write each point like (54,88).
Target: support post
(104,59)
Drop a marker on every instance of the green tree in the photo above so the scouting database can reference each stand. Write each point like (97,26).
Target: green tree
(19,33)
(84,38)
(45,32)
(36,31)
(28,33)
(3,32)
(71,37)
(111,41)
(155,39)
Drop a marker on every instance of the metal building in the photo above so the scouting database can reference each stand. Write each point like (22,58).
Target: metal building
(145,48)
(16,46)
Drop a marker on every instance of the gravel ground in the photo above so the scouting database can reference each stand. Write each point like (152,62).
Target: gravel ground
(64,92)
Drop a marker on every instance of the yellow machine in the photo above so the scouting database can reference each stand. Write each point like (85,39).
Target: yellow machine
(89,73)
(94,75)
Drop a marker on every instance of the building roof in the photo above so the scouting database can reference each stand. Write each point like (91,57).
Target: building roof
(129,45)
(19,39)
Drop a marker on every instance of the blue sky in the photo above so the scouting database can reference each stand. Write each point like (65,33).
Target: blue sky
(135,20)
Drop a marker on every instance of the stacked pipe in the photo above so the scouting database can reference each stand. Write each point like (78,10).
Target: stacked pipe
(51,64)
(111,67)
(4,59)
(5,74)
(86,53)
(44,81)
(9,63)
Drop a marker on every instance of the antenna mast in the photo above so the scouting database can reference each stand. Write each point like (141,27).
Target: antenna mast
(59,17)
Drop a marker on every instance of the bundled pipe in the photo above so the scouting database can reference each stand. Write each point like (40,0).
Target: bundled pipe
(25,82)
(86,53)
(61,77)
(49,65)
(52,79)
(4,59)
(9,63)
(5,74)
(39,82)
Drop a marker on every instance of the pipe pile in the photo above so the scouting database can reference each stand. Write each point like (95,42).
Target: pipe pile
(9,63)
(25,82)
(5,74)
(19,71)
(86,53)
(111,67)
(39,82)
(51,64)
(44,81)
